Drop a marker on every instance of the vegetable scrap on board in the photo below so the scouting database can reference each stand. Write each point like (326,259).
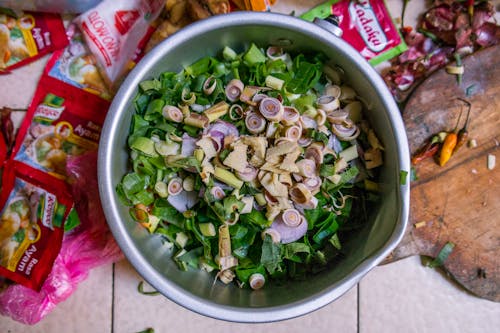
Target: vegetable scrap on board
(447,31)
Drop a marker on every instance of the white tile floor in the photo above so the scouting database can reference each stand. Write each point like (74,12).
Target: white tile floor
(400,297)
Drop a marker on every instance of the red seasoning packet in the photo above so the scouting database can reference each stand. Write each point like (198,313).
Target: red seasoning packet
(28,37)
(33,207)
(366,25)
(76,65)
(62,120)
(3,152)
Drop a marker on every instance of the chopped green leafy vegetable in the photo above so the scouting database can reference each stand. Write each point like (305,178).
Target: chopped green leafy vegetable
(236,166)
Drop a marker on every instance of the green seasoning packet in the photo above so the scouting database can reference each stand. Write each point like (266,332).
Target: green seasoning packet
(367,26)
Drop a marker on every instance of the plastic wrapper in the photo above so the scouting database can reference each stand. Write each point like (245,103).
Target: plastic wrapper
(366,25)
(33,210)
(86,247)
(76,65)
(58,125)
(113,30)
(28,36)
(50,6)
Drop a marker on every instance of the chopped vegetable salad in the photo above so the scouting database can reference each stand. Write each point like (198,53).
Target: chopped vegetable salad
(253,165)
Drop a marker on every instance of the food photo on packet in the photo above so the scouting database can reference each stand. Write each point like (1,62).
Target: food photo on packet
(252,165)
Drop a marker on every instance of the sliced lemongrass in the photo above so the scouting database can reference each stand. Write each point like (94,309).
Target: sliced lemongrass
(337,116)
(328,103)
(227,177)
(188,97)
(236,112)
(455,70)
(234,89)
(347,93)
(308,122)
(198,107)
(248,174)
(271,109)
(286,179)
(307,168)
(161,189)
(273,233)
(188,183)
(275,53)
(217,192)
(248,207)
(310,112)
(346,131)
(321,117)
(291,217)
(209,85)
(196,120)
(255,123)
(293,133)
(174,186)
(258,97)
(313,184)
(300,194)
(354,110)
(291,116)
(256,281)
(274,83)
(260,199)
(172,113)
(311,204)
(272,129)
(226,276)
(334,73)
(304,141)
(224,241)
(349,154)
(216,111)
(333,90)
(248,93)
(315,153)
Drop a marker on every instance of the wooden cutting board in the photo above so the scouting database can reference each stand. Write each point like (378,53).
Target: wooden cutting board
(459,202)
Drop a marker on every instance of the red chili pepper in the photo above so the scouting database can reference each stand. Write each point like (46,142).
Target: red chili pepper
(430,149)
(463,133)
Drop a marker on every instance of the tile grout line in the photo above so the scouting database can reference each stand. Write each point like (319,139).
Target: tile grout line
(358,307)
(113,298)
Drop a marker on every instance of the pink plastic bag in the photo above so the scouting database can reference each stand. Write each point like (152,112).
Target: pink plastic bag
(88,246)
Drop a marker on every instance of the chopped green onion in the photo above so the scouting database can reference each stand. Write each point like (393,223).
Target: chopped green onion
(442,255)
(274,83)
(254,56)
(140,289)
(403,177)
(144,145)
(229,54)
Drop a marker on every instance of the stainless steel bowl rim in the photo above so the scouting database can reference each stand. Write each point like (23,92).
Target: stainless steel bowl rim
(173,292)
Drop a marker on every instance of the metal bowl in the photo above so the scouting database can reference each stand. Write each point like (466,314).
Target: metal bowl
(195,289)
